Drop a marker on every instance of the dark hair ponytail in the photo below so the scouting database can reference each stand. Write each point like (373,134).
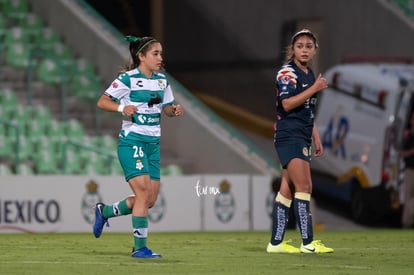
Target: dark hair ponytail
(136,46)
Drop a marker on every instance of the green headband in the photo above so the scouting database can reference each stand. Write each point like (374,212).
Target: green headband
(134,39)
(131,38)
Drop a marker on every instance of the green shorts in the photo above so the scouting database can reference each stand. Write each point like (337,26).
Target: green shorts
(139,158)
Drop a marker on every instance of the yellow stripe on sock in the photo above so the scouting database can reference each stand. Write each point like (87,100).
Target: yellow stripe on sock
(303,196)
(285,201)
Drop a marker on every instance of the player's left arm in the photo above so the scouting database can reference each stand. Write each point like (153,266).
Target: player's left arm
(169,107)
(317,142)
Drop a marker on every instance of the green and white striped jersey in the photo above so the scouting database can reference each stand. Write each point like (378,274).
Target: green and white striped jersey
(150,95)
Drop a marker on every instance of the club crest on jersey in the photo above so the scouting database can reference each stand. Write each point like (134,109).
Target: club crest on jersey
(161,84)
(285,79)
(114,85)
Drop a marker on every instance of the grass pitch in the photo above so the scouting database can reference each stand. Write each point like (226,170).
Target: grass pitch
(373,251)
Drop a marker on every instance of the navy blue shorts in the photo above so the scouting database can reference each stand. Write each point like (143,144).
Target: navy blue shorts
(290,151)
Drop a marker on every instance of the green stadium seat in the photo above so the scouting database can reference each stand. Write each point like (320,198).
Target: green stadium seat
(5,170)
(96,141)
(33,25)
(18,55)
(42,113)
(8,97)
(50,71)
(21,118)
(15,35)
(61,52)
(36,128)
(84,67)
(46,163)
(83,154)
(24,170)
(47,39)
(16,9)
(42,143)
(73,163)
(105,142)
(20,125)
(25,148)
(109,142)
(4,113)
(116,168)
(36,143)
(55,129)
(7,109)
(57,144)
(74,129)
(407,6)
(3,131)
(85,87)
(6,147)
(3,29)
(98,164)
(171,170)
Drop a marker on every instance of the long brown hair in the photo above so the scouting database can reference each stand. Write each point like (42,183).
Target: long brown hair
(289,49)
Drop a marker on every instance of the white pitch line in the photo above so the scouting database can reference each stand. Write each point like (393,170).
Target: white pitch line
(82,263)
(336,266)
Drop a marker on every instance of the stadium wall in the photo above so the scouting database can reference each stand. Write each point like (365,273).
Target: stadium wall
(207,32)
(218,202)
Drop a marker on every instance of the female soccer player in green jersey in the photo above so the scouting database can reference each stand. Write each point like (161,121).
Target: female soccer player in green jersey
(140,93)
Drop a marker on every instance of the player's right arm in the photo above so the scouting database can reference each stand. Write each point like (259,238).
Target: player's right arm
(110,99)
(295,101)
(106,103)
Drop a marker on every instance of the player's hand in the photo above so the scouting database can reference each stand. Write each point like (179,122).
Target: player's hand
(320,83)
(177,110)
(318,148)
(129,110)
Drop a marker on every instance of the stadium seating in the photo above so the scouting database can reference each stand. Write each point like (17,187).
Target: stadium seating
(26,40)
